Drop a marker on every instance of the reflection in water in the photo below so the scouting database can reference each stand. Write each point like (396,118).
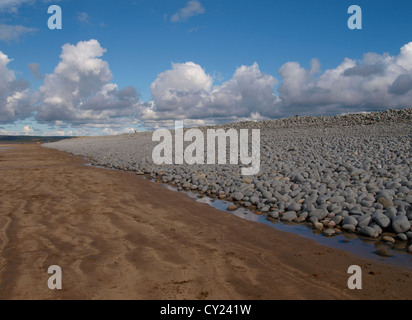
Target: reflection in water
(363,247)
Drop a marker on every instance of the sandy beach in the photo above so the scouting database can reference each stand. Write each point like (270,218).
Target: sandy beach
(118,236)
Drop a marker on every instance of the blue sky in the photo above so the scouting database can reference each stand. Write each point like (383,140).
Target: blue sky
(226,56)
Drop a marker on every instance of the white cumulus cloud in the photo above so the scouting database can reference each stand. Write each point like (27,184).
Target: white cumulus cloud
(187,92)
(248,92)
(79,90)
(14,93)
(184,86)
(374,83)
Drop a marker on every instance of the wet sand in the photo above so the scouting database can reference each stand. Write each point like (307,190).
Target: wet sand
(117,236)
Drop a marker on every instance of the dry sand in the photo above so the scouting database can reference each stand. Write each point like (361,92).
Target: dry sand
(117,236)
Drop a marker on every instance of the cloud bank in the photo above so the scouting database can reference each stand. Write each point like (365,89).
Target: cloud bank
(376,82)
(80,92)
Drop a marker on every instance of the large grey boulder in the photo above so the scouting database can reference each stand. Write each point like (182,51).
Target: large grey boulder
(400,224)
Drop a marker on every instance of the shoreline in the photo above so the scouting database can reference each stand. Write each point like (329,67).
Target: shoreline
(114,239)
(339,174)
(383,251)
(349,242)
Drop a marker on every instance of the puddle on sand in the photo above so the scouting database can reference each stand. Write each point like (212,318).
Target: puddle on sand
(363,247)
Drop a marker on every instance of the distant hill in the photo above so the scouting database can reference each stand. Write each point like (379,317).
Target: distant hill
(30,139)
